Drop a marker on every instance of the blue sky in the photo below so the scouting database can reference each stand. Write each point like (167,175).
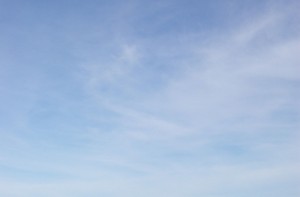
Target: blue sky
(149,98)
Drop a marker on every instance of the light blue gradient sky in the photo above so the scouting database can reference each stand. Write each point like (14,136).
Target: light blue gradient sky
(149,98)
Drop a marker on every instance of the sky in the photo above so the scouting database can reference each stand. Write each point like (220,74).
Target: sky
(136,98)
